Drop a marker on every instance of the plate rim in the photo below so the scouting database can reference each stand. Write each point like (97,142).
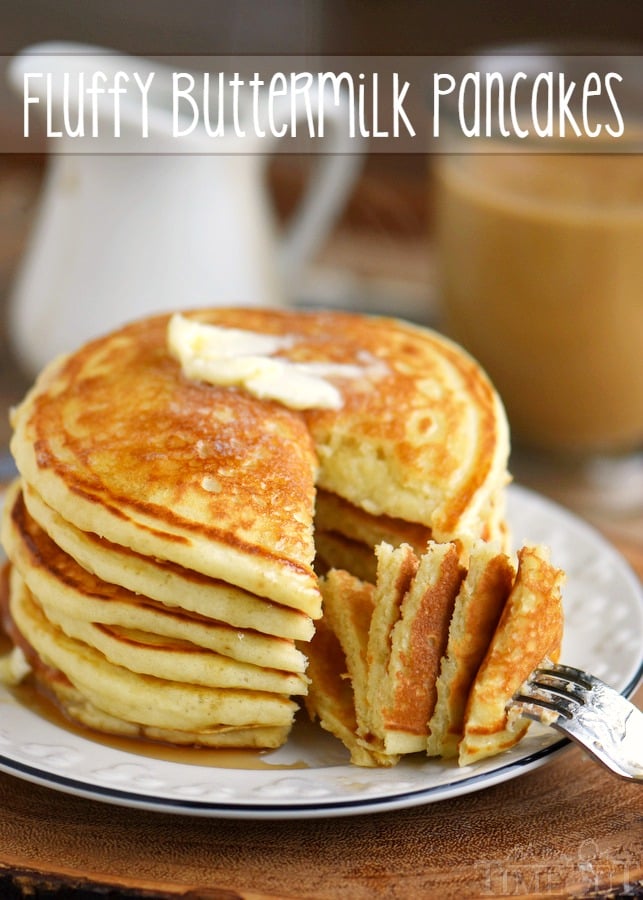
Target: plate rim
(319,809)
(335,807)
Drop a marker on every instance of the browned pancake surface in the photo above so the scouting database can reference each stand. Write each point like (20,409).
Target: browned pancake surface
(530,630)
(118,441)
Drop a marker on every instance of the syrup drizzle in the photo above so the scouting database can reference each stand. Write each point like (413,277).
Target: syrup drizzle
(30,696)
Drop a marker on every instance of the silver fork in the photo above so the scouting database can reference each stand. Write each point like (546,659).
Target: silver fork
(582,707)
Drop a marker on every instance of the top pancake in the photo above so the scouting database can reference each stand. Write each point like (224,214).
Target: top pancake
(120,443)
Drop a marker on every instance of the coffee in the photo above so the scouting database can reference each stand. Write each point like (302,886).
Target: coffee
(541,261)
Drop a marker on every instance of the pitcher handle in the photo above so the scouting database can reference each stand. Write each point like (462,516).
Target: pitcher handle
(329,185)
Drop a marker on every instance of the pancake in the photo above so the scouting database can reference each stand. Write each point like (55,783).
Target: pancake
(334,515)
(334,551)
(392,638)
(57,688)
(330,699)
(79,710)
(140,699)
(414,601)
(477,610)
(173,659)
(171,585)
(346,536)
(119,444)
(77,592)
(348,605)
(427,660)
(222,483)
(529,631)
(168,520)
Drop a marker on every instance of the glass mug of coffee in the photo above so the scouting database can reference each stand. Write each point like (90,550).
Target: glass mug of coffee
(540,259)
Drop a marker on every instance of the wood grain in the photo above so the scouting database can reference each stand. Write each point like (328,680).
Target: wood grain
(566,829)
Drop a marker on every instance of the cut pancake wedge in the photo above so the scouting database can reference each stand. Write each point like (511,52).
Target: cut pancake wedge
(331,700)
(428,659)
(530,631)
(338,666)
(477,610)
(413,605)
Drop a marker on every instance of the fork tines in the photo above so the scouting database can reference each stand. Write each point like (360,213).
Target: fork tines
(561,689)
(587,710)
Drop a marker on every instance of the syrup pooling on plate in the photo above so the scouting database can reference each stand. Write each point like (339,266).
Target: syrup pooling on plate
(29,696)
(33,695)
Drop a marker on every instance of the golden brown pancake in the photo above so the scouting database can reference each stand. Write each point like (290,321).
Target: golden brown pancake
(477,610)
(389,641)
(414,601)
(530,630)
(118,442)
(60,582)
(56,687)
(76,707)
(348,611)
(330,697)
(346,536)
(173,500)
(137,698)
(171,585)
(375,662)
(171,658)
(336,515)
(334,551)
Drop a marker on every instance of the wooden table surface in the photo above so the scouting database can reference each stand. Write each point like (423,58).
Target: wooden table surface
(568,829)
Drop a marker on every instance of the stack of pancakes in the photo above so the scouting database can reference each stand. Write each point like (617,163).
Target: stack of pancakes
(428,658)
(205,664)
(166,535)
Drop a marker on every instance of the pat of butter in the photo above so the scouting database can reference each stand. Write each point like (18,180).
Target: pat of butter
(13,667)
(233,357)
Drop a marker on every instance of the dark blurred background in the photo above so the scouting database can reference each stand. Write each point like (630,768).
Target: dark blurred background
(422,27)
(380,249)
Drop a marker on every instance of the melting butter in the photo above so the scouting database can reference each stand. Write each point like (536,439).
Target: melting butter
(238,358)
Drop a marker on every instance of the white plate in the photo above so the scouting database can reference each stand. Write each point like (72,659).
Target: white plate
(310,776)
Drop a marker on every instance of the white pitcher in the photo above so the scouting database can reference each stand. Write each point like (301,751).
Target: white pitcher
(121,236)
